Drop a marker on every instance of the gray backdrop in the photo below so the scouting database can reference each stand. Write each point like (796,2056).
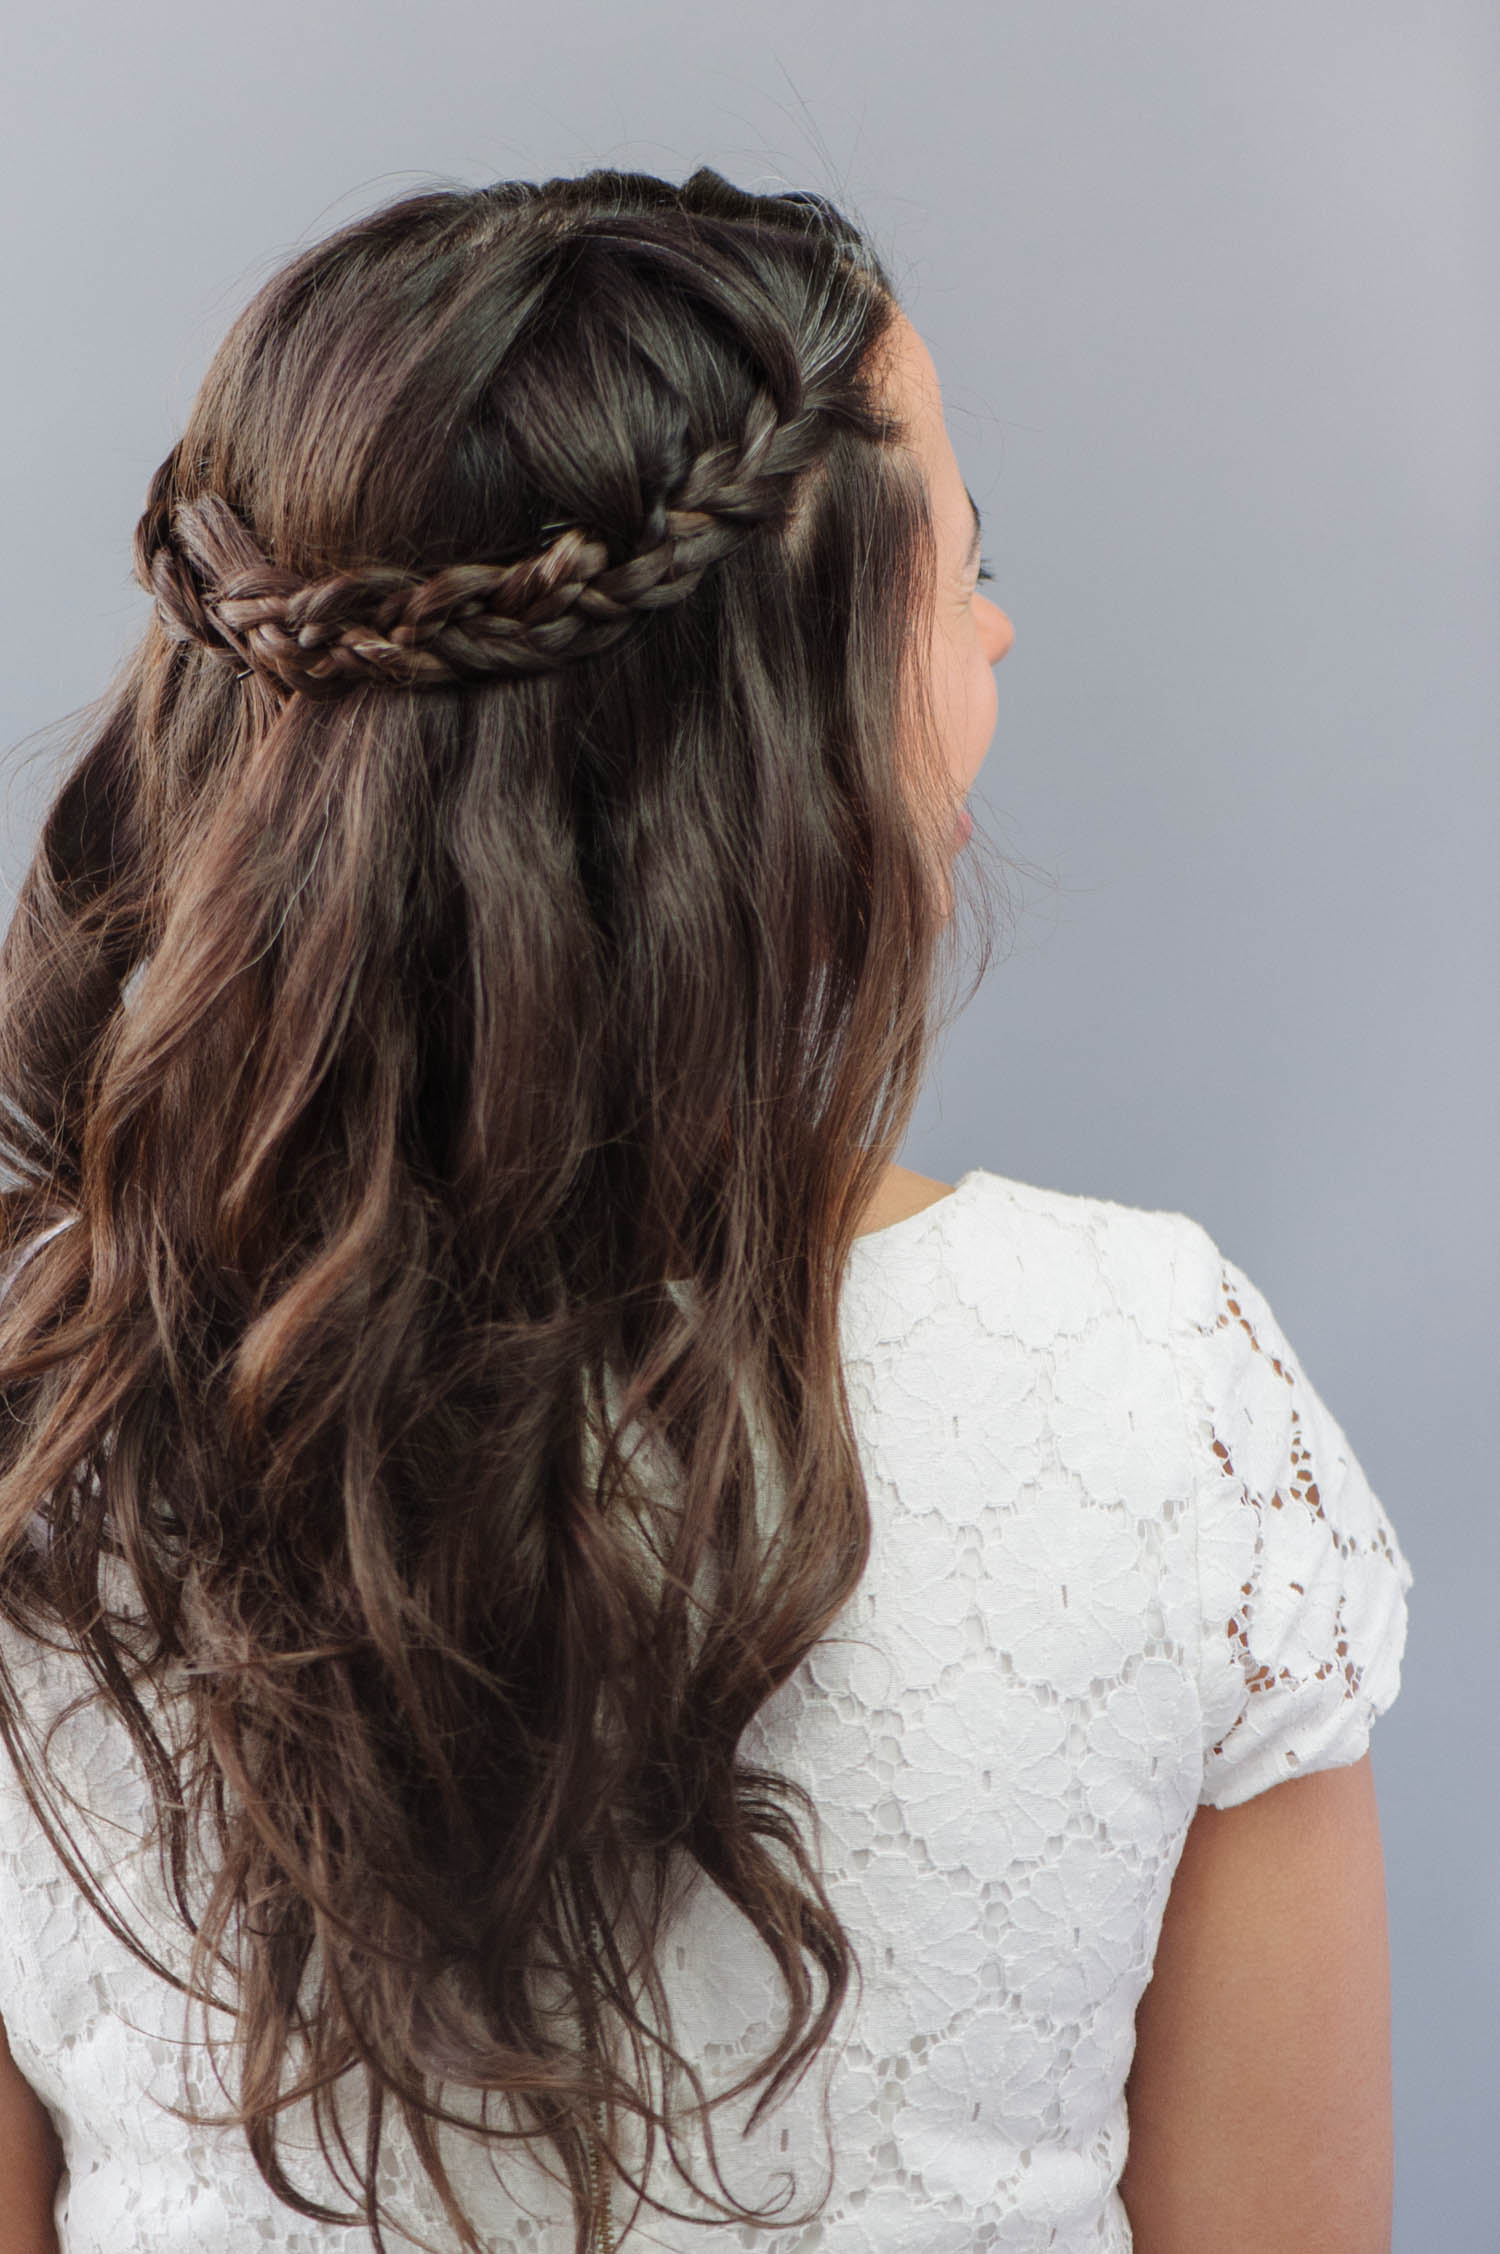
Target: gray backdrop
(1212,293)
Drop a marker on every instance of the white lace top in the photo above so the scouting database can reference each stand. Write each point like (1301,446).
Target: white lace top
(1124,1565)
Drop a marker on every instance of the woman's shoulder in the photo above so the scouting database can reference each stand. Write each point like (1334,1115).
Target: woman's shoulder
(1061,1252)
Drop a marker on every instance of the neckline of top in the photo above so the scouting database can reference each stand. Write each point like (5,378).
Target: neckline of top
(912,1225)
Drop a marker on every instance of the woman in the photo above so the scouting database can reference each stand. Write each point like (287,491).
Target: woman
(652,1667)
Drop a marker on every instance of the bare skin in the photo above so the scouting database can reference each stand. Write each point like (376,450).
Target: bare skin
(901,1193)
(970,635)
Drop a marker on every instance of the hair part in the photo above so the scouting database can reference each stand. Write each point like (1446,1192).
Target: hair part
(465,1081)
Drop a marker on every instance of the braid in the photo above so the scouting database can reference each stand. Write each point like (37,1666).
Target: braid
(467,622)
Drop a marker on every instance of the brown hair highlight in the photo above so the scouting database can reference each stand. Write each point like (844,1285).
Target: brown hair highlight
(464,1071)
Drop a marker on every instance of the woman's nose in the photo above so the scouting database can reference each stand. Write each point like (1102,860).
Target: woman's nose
(1000,633)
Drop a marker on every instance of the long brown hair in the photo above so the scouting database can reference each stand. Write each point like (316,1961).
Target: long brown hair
(475,971)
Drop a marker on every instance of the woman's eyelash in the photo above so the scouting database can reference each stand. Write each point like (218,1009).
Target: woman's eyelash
(984,571)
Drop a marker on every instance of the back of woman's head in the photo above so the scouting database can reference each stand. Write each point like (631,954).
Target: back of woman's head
(465,993)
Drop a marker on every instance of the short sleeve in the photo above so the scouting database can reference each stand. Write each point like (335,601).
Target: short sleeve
(1302,1583)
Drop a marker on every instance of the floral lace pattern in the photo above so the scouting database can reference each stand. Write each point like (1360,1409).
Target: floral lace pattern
(1124,1565)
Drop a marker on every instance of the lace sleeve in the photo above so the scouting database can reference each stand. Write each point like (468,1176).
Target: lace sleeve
(1302,1582)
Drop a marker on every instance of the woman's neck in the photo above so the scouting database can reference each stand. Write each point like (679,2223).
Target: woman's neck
(900,1194)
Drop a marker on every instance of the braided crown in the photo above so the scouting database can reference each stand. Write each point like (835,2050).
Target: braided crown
(468,622)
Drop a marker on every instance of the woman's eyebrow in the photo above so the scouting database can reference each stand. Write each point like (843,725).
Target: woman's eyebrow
(978,529)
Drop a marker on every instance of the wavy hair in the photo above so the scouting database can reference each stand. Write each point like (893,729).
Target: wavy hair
(475,970)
